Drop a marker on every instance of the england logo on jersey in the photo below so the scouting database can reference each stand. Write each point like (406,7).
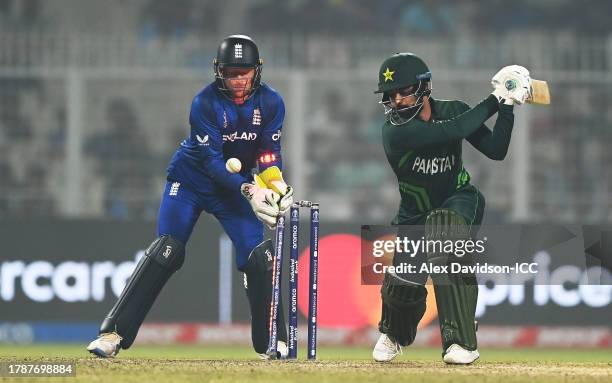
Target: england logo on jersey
(256,117)
(238,51)
(174,188)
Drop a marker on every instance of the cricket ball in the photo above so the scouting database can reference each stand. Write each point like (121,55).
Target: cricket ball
(233,165)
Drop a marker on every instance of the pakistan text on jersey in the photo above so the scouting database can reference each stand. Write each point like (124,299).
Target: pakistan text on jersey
(244,136)
(433,165)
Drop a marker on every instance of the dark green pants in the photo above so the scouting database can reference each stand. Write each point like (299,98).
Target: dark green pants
(456,301)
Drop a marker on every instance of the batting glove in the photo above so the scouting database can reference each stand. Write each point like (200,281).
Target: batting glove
(511,85)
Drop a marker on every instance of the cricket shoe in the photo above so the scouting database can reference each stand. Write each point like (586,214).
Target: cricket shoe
(456,354)
(281,351)
(107,345)
(386,349)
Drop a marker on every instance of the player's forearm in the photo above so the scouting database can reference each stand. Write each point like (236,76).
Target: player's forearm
(216,170)
(420,133)
(494,144)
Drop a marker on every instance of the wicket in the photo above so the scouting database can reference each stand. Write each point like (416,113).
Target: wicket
(293,280)
(277,266)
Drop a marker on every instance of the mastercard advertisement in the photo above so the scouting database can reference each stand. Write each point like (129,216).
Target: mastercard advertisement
(349,292)
(81,282)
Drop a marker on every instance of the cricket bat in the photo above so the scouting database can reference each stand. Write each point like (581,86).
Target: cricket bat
(540,95)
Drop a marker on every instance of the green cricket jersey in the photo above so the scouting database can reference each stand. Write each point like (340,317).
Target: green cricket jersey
(426,155)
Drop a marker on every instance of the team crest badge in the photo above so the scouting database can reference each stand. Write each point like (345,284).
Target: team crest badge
(256,117)
(238,51)
(388,75)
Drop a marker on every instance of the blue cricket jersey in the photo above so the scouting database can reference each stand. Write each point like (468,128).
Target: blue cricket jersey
(220,130)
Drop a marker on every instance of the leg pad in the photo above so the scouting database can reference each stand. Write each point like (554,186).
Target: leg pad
(456,294)
(258,284)
(403,306)
(163,257)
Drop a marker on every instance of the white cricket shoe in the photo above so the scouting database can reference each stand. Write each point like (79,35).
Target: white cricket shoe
(106,345)
(281,351)
(386,349)
(456,354)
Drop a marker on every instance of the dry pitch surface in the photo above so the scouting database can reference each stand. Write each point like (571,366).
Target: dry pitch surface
(335,365)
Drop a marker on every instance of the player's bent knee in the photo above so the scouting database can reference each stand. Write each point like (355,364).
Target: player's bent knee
(167,252)
(442,225)
(445,223)
(260,258)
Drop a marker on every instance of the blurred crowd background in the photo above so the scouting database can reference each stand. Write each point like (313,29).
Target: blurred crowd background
(95,95)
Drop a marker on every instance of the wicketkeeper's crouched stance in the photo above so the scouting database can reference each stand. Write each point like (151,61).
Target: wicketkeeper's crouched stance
(236,116)
(422,138)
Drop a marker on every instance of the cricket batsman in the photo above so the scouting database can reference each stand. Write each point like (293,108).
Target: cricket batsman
(422,139)
(236,117)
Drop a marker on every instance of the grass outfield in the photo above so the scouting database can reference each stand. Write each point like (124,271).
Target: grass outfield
(335,365)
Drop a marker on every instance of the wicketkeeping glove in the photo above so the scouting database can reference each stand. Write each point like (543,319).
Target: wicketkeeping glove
(286,201)
(272,178)
(264,203)
(512,85)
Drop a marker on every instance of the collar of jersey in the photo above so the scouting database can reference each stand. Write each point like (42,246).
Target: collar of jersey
(432,104)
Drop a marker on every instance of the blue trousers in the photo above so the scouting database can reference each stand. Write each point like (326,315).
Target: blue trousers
(181,206)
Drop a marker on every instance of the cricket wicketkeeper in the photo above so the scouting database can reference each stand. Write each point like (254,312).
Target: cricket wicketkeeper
(235,117)
(422,138)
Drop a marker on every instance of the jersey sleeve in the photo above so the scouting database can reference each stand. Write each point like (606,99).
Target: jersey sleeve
(206,134)
(417,133)
(494,144)
(269,150)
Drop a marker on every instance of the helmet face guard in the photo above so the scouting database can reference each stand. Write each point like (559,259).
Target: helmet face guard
(220,79)
(399,115)
(237,51)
